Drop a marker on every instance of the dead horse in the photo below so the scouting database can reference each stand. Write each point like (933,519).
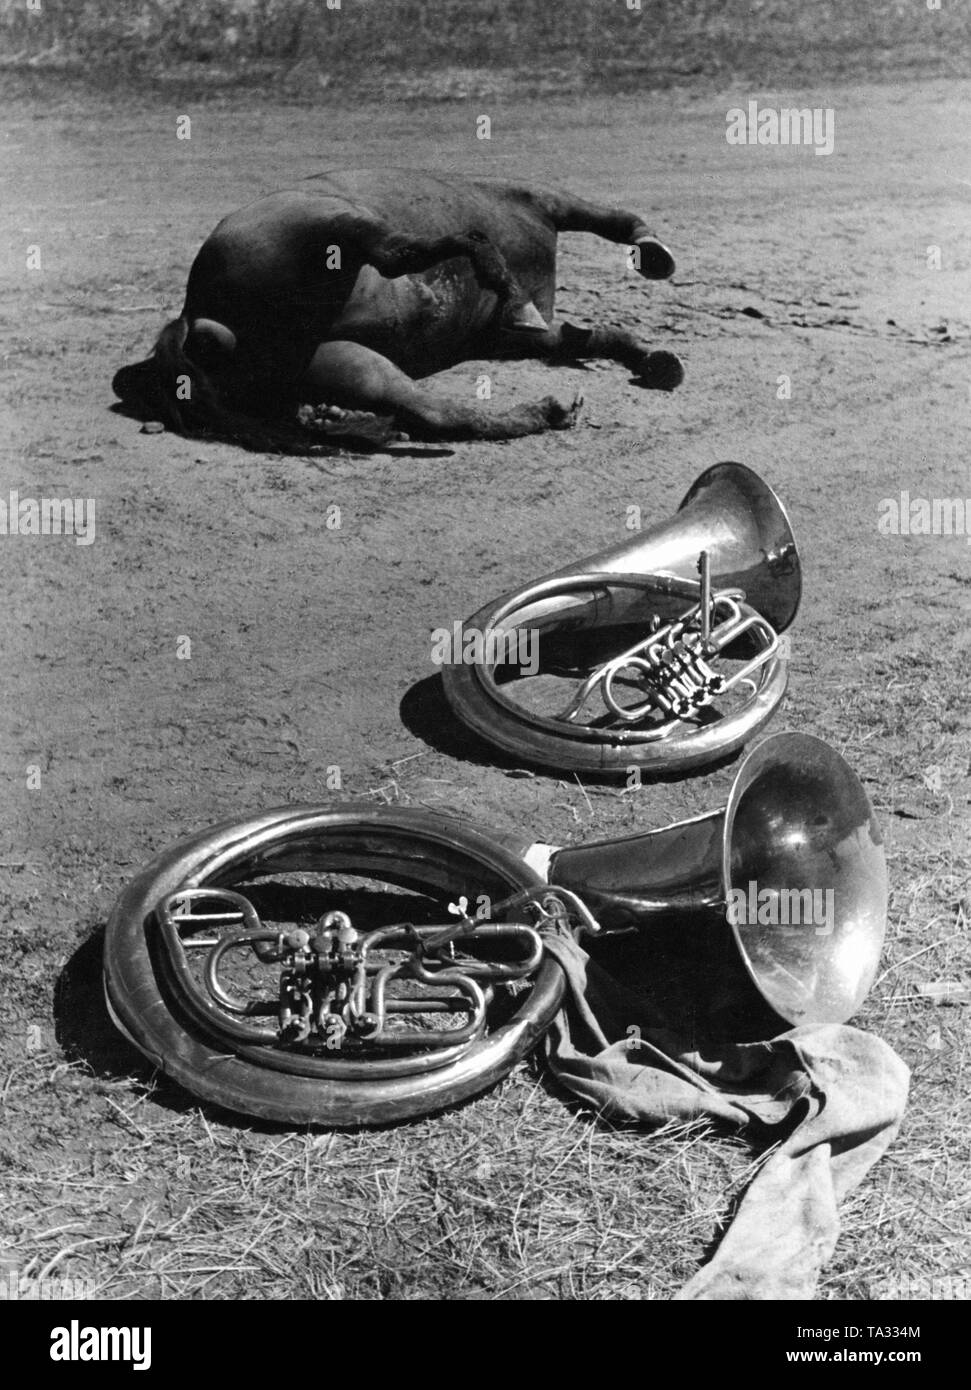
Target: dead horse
(347,288)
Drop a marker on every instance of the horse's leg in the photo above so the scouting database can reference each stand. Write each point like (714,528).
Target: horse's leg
(346,374)
(651,258)
(393,254)
(564,342)
(658,369)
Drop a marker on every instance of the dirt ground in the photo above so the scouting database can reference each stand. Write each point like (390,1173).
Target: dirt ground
(310,646)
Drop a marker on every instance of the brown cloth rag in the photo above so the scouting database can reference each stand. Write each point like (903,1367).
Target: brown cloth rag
(832,1094)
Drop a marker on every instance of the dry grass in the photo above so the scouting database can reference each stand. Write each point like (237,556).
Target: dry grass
(441,49)
(911,1224)
(512,1197)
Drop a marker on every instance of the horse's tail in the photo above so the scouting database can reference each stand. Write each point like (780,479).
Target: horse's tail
(169,386)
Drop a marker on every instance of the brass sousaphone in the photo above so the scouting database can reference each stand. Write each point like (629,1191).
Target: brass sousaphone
(352,965)
(693,608)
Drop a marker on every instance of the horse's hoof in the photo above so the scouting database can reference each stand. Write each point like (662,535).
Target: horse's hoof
(654,260)
(525,318)
(560,416)
(334,422)
(661,371)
